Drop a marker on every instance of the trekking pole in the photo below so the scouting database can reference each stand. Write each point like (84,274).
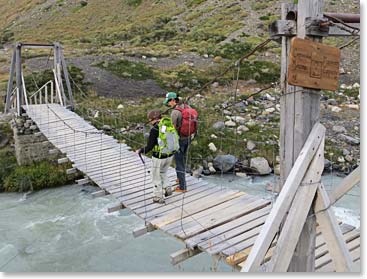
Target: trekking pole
(141,158)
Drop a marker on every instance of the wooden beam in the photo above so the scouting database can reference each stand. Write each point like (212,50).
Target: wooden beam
(285,198)
(144,230)
(83,181)
(346,185)
(71,171)
(100,193)
(183,255)
(331,232)
(115,208)
(297,214)
(63,160)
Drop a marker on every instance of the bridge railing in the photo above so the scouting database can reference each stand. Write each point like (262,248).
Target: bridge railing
(46,94)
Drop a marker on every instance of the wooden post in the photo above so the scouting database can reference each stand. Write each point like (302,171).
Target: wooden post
(299,112)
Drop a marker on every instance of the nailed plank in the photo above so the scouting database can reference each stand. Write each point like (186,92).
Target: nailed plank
(219,218)
(62,160)
(71,171)
(222,242)
(83,181)
(296,218)
(100,193)
(229,227)
(193,208)
(183,255)
(142,231)
(115,208)
(285,198)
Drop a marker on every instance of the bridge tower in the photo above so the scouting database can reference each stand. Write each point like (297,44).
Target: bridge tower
(51,92)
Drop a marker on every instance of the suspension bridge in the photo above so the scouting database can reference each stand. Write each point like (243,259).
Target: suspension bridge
(248,232)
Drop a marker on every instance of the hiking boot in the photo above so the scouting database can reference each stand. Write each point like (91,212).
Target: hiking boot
(158,200)
(178,189)
(177,180)
(168,192)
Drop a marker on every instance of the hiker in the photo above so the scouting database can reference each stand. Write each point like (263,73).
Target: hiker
(184,118)
(163,142)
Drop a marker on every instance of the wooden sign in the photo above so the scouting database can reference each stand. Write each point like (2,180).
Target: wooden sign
(313,65)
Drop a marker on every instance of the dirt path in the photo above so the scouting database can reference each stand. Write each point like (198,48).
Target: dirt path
(107,84)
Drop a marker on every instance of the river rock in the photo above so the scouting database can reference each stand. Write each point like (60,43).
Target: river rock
(250,145)
(96,115)
(227,112)
(327,164)
(346,152)
(106,128)
(212,147)
(261,165)
(332,102)
(335,109)
(339,129)
(197,173)
(270,110)
(224,162)
(269,97)
(341,159)
(213,136)
(242,128)
(349,139)
(241,174)
(218,125)
(206,172)
(349,158)
(33,127)
(251,123)
(212,170)
(230,123)
(120,106)
(356,85)
(277,169)
(239,119)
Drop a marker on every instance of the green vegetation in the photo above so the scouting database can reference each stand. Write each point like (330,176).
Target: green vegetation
(261,71)
(134,3)
(36,177)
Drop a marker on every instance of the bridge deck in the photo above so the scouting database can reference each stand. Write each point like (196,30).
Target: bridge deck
(221,222)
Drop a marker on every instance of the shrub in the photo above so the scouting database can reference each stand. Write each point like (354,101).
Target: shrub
(35,177)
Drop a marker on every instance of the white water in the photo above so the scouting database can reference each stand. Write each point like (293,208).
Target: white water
(65,229)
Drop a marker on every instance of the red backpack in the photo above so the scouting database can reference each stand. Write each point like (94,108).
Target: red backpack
(189,123)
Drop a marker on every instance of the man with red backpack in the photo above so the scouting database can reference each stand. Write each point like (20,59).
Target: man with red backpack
(185,120)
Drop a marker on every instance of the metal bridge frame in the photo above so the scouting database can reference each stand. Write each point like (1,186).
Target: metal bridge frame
(18,93)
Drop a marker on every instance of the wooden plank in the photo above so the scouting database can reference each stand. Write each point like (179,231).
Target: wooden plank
(71,171)
(326,259)
(331,232)
(345,185)
(99,193)
(229,227)
(62,160)
(296,218)
(193,208)
(285,198)
(142,231)
(242,250)
(115,208)
(83,181)
(313,65)
(217,244)
(183,255)
(220,217)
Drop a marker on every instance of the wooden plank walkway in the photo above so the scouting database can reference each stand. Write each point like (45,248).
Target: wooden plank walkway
(219,221)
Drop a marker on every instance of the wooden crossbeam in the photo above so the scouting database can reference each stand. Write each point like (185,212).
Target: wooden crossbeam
(183,255)
(345,185)
(297,214)
(285,198)
(144,230)
(115,208)
(100,193)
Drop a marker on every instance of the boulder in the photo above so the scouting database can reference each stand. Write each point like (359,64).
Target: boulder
(224,163)
(227,112)
(106,128)
(349,158)
(212,147)
(230,123)
(341,159)
(261,165)
(327,164)
(242,128)
(219,125)
(339,129)
(349,139)
(120,106)
(239,119)
(270,110)
(241,174)
(213,136)
(335,109)
(332,102)
(197,173)
(250,145)
(212,170)
(277,169)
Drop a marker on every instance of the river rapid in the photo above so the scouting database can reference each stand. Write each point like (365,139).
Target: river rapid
(66,230)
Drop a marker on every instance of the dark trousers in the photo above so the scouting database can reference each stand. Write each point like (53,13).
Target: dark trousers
(180,157)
